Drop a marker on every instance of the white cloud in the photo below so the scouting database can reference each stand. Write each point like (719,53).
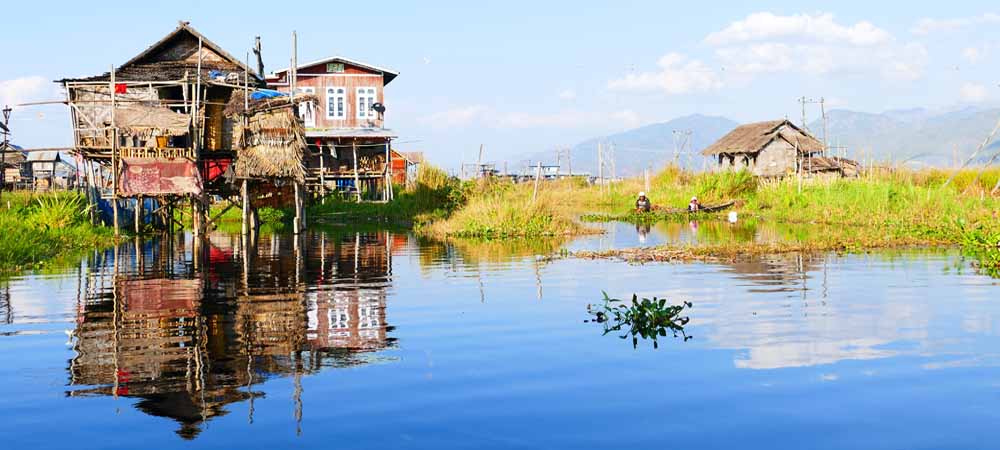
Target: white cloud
(815,45)
(26,89)
(929,26)
(567,94)
(454,117)
(973,55)
(973,93)
(676,75)
(766,26)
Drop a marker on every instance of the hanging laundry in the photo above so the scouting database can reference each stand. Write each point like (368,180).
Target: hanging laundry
(120,88)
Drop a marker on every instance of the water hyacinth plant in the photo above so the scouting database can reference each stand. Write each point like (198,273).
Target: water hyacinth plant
(646,318)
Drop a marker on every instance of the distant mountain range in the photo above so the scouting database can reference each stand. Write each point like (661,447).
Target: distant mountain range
(916,136)
(648,146)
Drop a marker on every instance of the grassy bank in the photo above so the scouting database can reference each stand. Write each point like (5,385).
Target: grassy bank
(884,209)
(433,196)
(38,229)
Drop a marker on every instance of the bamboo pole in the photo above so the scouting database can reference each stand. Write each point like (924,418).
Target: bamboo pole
(974,154)
(299,222)
(138,215)
(114,155)
(357,178)
(388,174)
(245,199)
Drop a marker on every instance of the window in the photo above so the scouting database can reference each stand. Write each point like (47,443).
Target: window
(336,103)
(366,98)
(307,109)
(334,67)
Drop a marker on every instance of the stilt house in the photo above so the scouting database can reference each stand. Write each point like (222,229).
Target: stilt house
(155,125)
(348,144)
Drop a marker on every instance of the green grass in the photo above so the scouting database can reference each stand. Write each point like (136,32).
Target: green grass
(881,209)
(39,229)
(432,197)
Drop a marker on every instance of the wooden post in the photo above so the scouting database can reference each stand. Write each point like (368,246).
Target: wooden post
(300,220)
(114,155)
(322,176)
(388,173)
(138,215)
(357,178)
(538,177)
(645,173)
(245,199)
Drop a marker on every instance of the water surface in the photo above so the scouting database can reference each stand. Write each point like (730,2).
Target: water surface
(377,339)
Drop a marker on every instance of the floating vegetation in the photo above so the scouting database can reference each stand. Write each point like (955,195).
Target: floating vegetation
(646,318)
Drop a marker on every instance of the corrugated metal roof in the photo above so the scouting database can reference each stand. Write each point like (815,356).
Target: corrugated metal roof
(387,74)
(352,132)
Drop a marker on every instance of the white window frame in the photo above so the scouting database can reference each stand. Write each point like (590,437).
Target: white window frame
(365,110)
(331,93)
(307,106)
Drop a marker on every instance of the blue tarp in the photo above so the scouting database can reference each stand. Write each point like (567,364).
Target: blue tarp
(266,93)
(126,211)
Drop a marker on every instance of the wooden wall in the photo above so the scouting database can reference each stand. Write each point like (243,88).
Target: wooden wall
(353,77)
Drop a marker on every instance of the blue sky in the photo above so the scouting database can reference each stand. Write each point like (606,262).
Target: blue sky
(524,76)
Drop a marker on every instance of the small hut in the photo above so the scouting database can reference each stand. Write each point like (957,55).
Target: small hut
(831,167)
(49,170)
(14,169)
(767,149)
(270,145)
(268,137)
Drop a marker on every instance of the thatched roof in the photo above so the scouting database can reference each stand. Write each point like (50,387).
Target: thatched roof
(829,164)
(753,137)
(270,144)
(147,120)
(174,56)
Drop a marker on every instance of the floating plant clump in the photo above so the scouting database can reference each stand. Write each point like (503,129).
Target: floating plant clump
(646,318)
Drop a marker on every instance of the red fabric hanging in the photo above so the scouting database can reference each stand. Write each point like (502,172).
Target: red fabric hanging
(120,88)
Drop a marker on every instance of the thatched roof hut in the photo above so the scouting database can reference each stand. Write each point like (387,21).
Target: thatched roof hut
(269,139)
(772,148)
(754,137)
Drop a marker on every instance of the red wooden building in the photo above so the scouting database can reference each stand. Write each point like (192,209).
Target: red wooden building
(348,141)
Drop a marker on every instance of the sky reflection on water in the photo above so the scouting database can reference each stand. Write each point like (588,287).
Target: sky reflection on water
(375,339)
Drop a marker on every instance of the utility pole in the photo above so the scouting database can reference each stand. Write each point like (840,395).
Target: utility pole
(600,166)
(3,150)
(479,162)
(569,160)
(682,141)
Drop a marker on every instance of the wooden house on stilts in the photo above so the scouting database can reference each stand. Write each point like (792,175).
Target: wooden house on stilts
(157,127)
(349,148)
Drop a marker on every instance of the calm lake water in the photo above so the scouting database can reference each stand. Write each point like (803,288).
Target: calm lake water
(374,339)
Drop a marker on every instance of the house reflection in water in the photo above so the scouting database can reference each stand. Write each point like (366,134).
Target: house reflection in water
(188,327)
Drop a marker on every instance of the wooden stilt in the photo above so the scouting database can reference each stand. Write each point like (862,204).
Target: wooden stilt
(114,154)
(357,178)
(299,222)
(245,199)
(138,215)
(387,174)
(322,176)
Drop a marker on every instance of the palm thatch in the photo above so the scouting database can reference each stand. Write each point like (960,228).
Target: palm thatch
(754,137)
(270,144)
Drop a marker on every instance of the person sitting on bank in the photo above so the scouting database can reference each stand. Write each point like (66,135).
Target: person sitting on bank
(695,205)
(643,204)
